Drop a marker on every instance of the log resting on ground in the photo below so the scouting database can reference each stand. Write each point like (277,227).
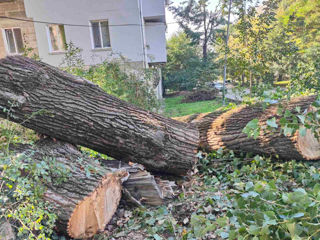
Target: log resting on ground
(142,188)
(85,203)
(66,107)
(223,129)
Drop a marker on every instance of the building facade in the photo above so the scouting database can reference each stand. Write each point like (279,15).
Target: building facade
(103,29)
(15,35)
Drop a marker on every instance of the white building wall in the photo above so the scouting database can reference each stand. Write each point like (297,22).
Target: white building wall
(128,37)
(153,9)
(156,42)
(125,40)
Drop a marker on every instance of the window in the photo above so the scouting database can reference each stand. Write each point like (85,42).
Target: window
(100,34)
(57,38)
(14,41)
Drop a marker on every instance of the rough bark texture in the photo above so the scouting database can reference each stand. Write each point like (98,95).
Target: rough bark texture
(84,203)
(75,110)
(74,198)
(201,121)
(141,188)
(223,129)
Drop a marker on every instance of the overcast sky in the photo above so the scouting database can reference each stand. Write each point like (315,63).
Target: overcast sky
(172,28)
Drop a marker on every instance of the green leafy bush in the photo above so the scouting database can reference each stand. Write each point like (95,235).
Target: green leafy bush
(22,184)
(238,197)
(185,69)
(268,200)
(22,189)
(116,78)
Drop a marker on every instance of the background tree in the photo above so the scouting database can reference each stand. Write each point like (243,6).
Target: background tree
(302,19)
(226,52)
(248,53)
(185,69)
(198,22)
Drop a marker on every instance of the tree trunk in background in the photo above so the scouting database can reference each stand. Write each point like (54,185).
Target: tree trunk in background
(66,107)
(85,203)
(226,55)
(224,130)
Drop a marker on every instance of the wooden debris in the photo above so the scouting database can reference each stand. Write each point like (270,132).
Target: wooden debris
(86,201)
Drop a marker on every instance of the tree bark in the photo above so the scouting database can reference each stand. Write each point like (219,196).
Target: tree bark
(86,196)
(66,107)
(142,188)
(223,129)
(89,196)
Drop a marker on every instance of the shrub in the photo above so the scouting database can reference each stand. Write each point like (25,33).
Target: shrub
(185,69)
(116,78)
(21,186)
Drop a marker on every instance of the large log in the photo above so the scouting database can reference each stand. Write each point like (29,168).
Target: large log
(66,107)
(223,129)
(142,188)
(84,203)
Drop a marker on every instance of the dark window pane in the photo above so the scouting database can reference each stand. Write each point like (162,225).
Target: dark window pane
(96,35)
(10,41)
(19,40)
(105,34)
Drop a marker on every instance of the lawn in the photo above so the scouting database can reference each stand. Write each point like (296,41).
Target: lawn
(174,107)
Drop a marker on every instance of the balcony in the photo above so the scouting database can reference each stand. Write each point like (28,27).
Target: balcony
(154,10)
(156,42)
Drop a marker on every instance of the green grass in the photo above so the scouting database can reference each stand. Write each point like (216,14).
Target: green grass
(174,107)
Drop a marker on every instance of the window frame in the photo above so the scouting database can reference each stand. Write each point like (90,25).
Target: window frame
(49,39)
(100,32)
(14,40)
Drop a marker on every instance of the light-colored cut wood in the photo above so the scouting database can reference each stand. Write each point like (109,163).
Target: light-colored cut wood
(224,129)
(95,211)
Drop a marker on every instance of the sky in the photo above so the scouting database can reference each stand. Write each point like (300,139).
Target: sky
(173,28)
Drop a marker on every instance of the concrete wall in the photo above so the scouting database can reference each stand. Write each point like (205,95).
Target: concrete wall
(156,42)
(126,40)
(153,9)
(16,9)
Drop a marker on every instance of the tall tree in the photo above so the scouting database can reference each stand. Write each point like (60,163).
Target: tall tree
(184,61)
(248,52)
(199,22)
(226,53)
(302,18)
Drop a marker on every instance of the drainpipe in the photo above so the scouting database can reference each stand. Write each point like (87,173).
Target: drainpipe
(142,34)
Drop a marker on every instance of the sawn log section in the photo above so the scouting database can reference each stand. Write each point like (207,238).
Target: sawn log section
(224,129)
(66,107)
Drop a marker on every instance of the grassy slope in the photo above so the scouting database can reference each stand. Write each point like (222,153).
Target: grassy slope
(174,107)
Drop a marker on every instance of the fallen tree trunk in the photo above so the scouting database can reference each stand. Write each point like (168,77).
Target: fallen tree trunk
(141,188)
(66,107)
(89,196)
(223,129)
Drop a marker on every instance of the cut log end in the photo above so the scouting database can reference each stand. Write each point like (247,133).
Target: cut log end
(224,129)
(93,213)
(308,146)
